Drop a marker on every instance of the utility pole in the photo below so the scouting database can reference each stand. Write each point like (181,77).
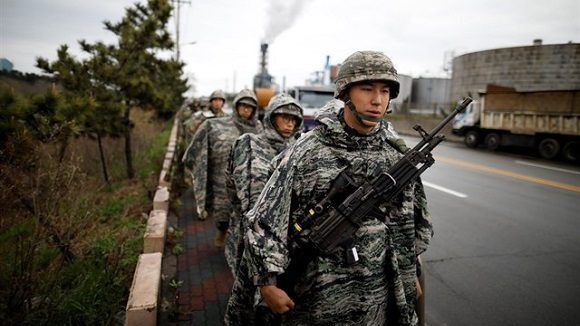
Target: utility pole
(177,7)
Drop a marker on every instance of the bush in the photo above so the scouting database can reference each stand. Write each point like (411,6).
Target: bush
(68,244)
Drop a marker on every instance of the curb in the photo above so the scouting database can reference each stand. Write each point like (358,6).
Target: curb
(143,303)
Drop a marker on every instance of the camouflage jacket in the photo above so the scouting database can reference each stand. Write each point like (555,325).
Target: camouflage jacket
(207,157)
(329,291)
(195,119)
(249,168)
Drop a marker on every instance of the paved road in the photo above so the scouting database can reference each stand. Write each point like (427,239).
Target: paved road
(506,249)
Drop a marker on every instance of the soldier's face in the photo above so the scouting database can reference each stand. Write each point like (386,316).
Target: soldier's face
(370,99)
(284,124)
(245,111)
(217,103)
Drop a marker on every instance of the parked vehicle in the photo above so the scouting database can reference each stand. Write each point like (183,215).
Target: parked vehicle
(546,120)
(312,98)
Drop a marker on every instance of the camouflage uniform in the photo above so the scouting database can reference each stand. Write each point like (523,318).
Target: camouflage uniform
(380,288)
(207,157)
(195,119)
(248,168)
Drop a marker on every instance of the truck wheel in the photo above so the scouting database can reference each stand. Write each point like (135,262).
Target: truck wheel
(571,151)
(472,139)
(492,141)
(549,148)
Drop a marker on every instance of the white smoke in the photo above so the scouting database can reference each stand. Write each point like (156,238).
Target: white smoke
(281,15)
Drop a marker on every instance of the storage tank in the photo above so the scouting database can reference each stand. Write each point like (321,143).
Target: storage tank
(526,68)
(430,94)
(402,101)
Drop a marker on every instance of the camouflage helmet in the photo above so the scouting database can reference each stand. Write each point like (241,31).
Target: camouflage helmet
(366,66)
(285,104)
(246,96)
(218,93)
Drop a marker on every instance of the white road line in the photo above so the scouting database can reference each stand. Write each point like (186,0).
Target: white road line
(447,190)
(547,167)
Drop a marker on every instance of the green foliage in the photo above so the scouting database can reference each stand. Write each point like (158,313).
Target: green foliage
(151,160)
(68,246)
(177,233)
(112,207)
(177,249)
(175,284)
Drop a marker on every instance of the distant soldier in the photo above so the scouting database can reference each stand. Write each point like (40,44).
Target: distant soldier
(207,157)
(249,163)
(214,109)
(195,105)
(379,286)
(185,114)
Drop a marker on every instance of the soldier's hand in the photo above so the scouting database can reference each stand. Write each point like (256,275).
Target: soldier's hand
(278,301)
(201,214)
(419,289)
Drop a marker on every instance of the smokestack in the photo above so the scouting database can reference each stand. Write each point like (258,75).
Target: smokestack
(263,78)
(263,63)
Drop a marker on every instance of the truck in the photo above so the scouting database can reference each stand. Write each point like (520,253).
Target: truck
(548,121)
(311,98)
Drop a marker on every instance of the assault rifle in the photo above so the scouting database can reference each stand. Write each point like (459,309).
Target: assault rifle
(332,221)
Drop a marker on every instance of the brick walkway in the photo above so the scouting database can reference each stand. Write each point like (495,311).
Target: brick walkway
(206,277)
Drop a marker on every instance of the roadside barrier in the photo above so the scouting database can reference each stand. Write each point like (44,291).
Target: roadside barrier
(144,296)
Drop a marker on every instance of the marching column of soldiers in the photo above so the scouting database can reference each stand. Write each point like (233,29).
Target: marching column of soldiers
(257,180)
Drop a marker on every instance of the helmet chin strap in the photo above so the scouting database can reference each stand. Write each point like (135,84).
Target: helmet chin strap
(359,116)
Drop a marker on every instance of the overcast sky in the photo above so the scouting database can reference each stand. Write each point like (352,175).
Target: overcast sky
(417,35)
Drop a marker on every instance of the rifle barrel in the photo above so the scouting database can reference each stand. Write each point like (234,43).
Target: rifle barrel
(442,124)
(457,110)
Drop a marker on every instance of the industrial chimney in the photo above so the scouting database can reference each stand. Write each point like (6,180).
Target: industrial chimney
(263,81)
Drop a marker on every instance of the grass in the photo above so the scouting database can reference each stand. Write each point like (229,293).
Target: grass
(103,226)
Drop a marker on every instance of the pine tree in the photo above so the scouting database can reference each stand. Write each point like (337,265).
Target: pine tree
(132,67)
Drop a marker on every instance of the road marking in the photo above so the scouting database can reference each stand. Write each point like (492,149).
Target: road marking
(546,167)
(447,190)
(514,175)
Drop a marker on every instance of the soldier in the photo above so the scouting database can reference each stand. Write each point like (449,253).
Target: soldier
(381,287)
(249,162)
(207,158)
(252,160)
(214,109)
(195,105)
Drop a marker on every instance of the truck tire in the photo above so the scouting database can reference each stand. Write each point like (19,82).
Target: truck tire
(549,148)
(472,139)
(492,141)
(571,151)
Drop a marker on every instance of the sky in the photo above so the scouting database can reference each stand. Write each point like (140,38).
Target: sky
(418,35)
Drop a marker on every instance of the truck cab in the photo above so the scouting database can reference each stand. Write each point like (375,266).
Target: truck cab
(467,123)
(312,98)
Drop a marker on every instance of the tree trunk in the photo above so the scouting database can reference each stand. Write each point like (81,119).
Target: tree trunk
(103,162)
(62,151)
(128,152)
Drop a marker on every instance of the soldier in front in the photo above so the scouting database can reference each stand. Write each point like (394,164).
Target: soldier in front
(380,288)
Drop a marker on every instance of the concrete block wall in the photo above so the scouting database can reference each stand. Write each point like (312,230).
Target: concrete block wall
(527,68)
(143,304)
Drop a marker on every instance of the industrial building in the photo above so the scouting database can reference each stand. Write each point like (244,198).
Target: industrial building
(526,68)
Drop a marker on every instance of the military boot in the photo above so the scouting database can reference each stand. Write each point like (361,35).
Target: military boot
(220,238)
